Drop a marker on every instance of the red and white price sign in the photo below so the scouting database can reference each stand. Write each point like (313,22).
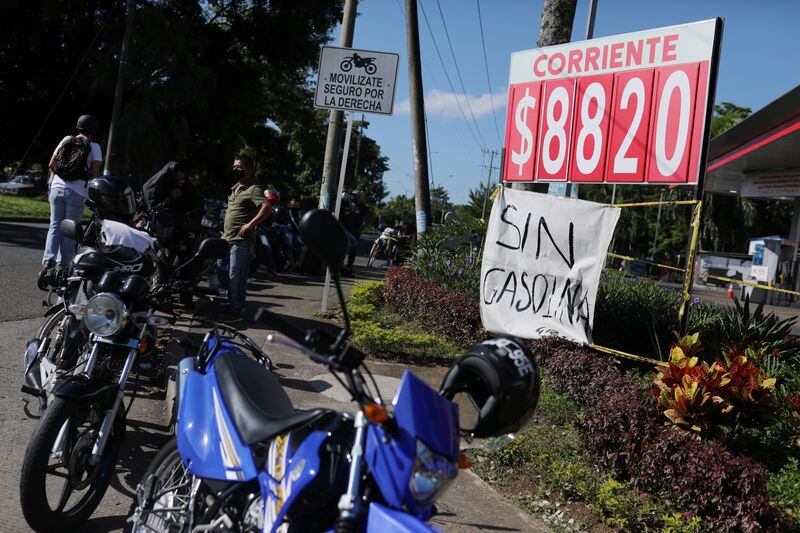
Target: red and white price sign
(623,109)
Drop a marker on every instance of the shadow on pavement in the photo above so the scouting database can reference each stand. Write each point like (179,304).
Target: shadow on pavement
(22,235)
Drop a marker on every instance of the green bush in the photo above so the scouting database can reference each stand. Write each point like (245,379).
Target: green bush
(448,256)
(640,316)
(784,487)
(682,523)
(401,344)
(366,292)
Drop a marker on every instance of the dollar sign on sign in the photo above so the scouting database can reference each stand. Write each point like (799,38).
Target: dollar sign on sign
(526,137)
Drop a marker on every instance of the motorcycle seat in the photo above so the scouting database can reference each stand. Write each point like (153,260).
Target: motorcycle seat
(256,401)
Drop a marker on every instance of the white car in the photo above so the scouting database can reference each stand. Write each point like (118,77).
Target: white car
(21,185)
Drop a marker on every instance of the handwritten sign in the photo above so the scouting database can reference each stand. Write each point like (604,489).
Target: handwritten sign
(542,263)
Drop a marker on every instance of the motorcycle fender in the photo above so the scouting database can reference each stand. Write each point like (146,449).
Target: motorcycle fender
(53,309)
(287,474)
(184,367)
(81,387)
(382,518)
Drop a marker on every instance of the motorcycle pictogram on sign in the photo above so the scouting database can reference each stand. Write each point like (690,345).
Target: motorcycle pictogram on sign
(355,60)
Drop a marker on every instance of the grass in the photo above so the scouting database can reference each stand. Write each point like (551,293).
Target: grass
(27,207)
(20,206)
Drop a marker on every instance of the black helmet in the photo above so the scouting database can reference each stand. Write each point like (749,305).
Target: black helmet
(111,198)
(501,379)
(87,124)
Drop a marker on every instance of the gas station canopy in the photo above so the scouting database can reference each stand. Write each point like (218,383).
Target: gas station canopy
(760,156)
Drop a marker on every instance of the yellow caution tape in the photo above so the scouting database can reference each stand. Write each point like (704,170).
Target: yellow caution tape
(653,204)
(618,256)
(626,355)
(753,284)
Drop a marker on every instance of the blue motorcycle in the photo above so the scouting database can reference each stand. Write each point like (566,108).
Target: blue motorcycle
(244,459)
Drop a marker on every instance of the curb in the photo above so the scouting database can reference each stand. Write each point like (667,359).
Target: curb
(25,219)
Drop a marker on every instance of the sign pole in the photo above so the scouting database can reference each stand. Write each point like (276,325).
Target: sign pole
(338,202)
(336,116)
(683,313)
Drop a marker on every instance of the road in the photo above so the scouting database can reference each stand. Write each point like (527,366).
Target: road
(21,247)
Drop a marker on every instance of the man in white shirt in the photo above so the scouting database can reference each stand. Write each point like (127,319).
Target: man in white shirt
(68,192)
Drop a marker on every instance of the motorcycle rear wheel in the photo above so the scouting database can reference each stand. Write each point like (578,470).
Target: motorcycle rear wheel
(79,422)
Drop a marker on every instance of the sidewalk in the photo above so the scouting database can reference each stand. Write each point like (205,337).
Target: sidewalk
(468,505)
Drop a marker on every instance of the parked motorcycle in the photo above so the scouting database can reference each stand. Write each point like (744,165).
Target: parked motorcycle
(54,351)
(80,432)
(245,460)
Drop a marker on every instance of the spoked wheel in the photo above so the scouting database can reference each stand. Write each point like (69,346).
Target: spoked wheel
(59,355)
(163,497)
(373,253)
(59,488)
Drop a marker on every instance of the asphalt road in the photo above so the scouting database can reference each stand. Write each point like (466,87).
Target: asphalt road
(21,247)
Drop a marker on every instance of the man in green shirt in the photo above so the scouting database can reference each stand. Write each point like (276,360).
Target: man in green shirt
(246,208)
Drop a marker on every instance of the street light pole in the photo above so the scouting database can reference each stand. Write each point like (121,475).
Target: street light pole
(658,224)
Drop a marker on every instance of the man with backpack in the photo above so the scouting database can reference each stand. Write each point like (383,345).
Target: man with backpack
(75,161)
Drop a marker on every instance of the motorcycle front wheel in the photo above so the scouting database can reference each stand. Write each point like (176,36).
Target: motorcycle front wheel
(370,69)
(162,502)
(56,468)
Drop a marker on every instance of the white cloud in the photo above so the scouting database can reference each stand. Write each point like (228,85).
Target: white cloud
(446,105)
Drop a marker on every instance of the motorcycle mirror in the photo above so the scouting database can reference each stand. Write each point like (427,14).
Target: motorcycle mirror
(212,249)
(325,236)
(71,229)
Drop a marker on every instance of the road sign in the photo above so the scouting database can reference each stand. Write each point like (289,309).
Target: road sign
(355,80)
(628,108)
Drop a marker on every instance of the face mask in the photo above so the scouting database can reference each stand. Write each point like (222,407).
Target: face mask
(238,173)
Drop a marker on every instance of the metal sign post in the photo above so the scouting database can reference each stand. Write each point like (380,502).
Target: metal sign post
(353,80)
(336,212)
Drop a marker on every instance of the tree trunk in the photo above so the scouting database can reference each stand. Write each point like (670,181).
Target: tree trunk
(556,28)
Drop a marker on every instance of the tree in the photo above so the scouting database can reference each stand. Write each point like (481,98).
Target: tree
(207,79)
(398,210)
(724,224)
(474,206)
(440,203)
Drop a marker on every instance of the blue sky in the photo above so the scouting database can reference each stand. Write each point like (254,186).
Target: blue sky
(760,61)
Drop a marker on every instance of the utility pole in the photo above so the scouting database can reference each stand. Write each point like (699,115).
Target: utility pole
(422,194)
(555,28)
(358,149)
(487,192)
(122,73)
(658,226)
(336,118)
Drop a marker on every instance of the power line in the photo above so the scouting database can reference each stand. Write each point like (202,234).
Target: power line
(486,67)
(447,76)
(458,72)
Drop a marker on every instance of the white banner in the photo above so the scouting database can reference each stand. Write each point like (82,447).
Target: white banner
(541,264)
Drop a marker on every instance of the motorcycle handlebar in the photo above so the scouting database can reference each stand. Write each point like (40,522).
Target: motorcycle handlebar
(278,323)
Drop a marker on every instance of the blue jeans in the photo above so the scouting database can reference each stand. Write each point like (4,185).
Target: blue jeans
(265,252)
(233,273)
(64,204)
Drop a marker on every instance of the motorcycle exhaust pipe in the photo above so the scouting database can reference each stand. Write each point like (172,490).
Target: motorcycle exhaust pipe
(33,380)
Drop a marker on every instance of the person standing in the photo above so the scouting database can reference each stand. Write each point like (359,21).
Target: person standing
(75,161)
(247,207)
(354,219)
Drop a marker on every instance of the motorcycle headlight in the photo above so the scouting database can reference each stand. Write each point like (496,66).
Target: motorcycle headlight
(105,314)
(431,473)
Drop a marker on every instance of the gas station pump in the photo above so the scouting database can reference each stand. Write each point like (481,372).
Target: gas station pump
(772,265)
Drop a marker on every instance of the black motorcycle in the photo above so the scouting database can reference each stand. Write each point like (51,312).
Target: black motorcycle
(367,63)
(70,458)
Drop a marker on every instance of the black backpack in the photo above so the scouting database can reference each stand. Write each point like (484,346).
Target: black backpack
(70,161)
